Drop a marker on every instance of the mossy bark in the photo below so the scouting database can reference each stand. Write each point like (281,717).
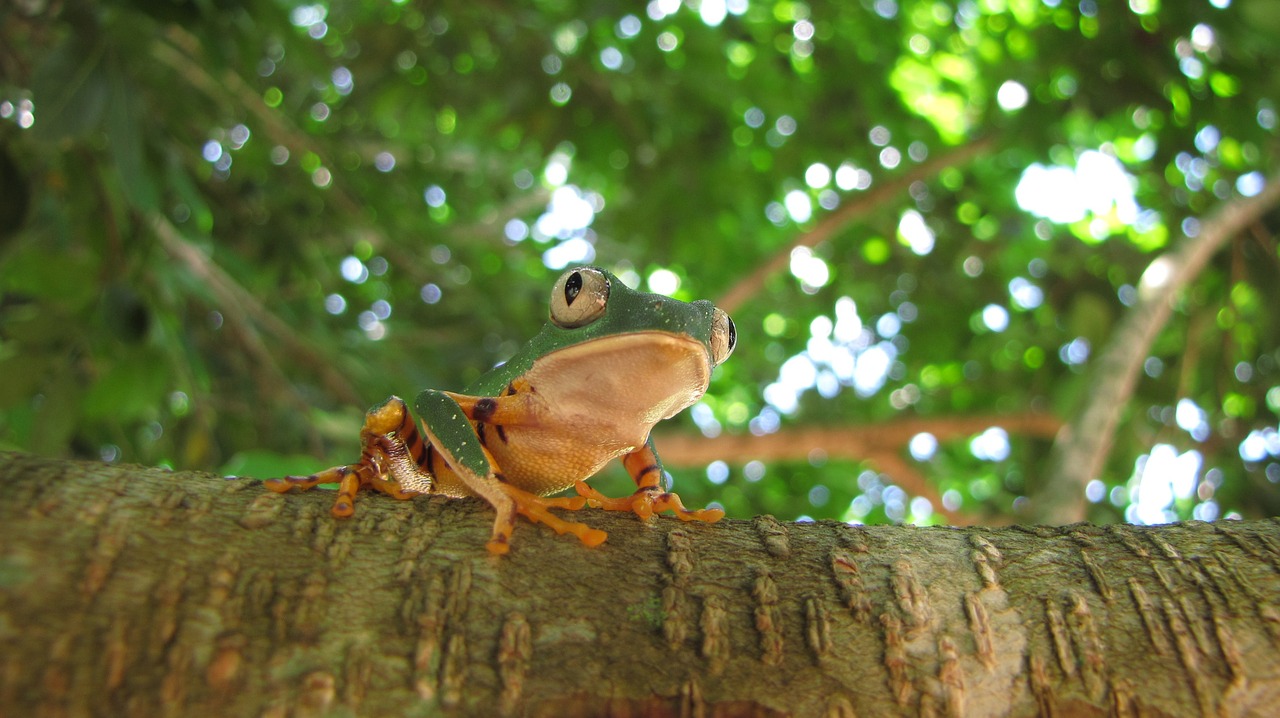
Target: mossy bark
(142,592)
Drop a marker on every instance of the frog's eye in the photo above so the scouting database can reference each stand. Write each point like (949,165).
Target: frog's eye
(579,297)
(724,336)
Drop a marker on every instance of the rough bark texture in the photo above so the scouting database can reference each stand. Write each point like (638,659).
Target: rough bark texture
(141,592)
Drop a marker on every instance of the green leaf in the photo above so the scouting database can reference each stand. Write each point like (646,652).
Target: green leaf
(132,388)
(54,421)
(125,141)
(70,90)
(24,374)
(36,270)
(267,464)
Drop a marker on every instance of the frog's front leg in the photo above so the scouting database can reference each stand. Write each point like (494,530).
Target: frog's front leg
(445,421)
(649,498)
(516,406)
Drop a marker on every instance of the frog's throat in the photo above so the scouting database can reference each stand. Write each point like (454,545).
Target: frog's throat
(642,377)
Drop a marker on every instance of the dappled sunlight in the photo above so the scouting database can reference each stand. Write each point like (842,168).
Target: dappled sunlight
(1161,478)
(991,445)
(811,270)
(311,18)
(995,318)
(1260,445)
(1097,189)
(923,446)
(566,221)
(1192,419)
(22,112)
(893,500)
(839,353)
(887,191)
(663,281)
(915,233)
(1012,95)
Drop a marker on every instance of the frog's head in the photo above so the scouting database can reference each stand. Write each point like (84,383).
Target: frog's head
(589,303)
(642,356)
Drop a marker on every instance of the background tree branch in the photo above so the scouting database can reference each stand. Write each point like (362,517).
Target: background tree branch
(1081,451)
(127,590)
(879,196)
(882,443)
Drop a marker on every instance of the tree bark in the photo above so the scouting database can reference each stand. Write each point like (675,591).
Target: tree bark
(143,592)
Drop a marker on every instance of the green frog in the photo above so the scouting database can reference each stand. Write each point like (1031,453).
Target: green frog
(610,364)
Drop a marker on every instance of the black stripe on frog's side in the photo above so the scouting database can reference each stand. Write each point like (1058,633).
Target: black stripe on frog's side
(484,409)
(483,436)
(408,433)
(429,460)
(512,389)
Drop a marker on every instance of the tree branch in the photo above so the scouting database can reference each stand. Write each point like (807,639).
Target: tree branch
(881,444)
(245,307)
(854,210)
(141,592)
(1082,448)
(181,51)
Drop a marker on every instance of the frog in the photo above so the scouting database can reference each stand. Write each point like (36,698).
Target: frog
(610,363)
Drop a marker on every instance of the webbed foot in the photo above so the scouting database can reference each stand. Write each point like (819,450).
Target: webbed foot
(536,509)
(348,478)
(647,501)
(385,464)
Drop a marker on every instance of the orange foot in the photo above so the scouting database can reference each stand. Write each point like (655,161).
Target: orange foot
(349,479)
(647,501)
(535,508)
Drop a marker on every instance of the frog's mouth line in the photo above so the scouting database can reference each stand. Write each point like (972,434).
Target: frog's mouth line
(621,345)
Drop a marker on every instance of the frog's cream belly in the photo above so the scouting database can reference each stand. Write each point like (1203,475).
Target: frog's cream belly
(549,464)
(595,402)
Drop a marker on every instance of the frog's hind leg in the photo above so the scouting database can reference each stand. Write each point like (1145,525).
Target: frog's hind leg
(387,441)
(305,483)
(348,477)
(649,498)
(453,437)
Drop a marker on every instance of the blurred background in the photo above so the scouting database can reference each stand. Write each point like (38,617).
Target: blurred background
(946,231)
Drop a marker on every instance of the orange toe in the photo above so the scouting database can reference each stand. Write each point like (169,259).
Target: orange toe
(536,509)
(647,501)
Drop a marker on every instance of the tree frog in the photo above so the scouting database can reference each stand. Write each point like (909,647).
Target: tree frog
(610,364)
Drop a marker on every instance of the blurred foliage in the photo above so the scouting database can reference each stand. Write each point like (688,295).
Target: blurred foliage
(227,228)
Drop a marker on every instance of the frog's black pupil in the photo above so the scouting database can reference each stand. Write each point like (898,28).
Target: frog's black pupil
(733,335)
(572,286)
